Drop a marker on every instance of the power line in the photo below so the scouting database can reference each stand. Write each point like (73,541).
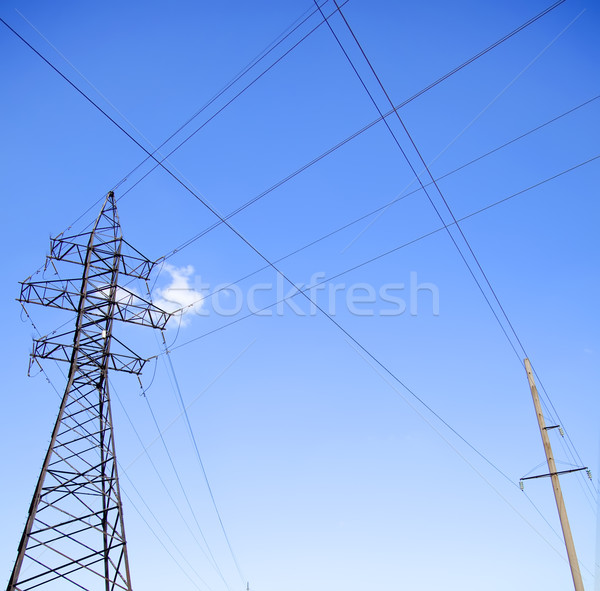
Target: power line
(371,260)
(381,208)
(201,463)
(481,476)
(255,61)
(189,405)
(411,166)
(303,292)
(165,533)
(156,535)
(221,109)
(439,192)
(330,150)
(426,235)
(365,128)
(213,561)
(212,210)
(432,179)
(162,481)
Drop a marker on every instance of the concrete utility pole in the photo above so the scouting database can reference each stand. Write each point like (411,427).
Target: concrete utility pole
(560,503)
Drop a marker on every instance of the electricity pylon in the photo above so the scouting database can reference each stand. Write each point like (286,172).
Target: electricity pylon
(74,536)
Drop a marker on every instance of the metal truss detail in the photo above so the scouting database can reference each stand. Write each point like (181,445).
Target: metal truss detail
(65,294)
(91,355)
(71,250)
(74,537)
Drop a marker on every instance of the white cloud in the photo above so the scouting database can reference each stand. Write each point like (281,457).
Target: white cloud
(179,297)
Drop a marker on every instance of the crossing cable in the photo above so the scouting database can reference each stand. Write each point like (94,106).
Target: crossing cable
(364,263)
(359,345)
(379,209)
(503,474)
(417,94)
(334,148)
(349,224)
(357,133)
(254,62)
(433,181)
(400,197)
(207,121)
(414,171)
(303,292)
(572,453)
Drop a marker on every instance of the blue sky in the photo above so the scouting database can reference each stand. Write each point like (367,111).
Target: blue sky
(327,473)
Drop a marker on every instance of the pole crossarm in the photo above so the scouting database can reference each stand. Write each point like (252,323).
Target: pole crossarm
(74,537)
(553,474)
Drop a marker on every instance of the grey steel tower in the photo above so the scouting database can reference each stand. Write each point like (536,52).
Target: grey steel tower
(74,536)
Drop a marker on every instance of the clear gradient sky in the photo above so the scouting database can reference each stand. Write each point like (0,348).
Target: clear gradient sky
(328,475)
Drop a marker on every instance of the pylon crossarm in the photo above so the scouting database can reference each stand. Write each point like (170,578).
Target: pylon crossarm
(71,250)
(65,295)
(48,349)
(136,264)
(55,293)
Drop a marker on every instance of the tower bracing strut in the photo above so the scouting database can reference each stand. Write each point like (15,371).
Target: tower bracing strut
(74,537)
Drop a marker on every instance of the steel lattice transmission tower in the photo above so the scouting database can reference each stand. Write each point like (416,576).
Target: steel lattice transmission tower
(74,536)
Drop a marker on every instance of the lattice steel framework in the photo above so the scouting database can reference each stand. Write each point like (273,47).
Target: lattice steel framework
(74,536)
